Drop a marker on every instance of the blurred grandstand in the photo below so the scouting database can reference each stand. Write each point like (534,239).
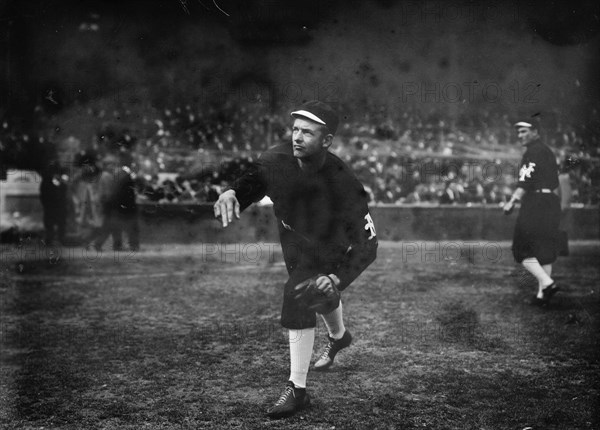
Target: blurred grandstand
(189,153)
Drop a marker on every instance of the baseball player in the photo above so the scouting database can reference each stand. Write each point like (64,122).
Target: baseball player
(326,232)
(536,230)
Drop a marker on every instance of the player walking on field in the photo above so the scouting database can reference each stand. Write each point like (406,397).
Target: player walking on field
(535,240)
(326,233)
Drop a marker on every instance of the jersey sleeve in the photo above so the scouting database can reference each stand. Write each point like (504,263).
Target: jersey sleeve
(252,185)
(361,234)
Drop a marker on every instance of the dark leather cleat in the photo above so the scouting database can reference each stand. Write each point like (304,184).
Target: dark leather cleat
(292,400)
(550,291)
(333,347)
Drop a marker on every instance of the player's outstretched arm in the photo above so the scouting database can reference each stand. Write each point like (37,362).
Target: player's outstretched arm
(226,207)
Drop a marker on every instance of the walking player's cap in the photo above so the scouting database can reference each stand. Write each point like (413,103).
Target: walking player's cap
(523,124)
(318,112)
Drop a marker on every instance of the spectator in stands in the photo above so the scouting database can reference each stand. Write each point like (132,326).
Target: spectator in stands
(447,196)
(207,192)
(150,189)
(172,192)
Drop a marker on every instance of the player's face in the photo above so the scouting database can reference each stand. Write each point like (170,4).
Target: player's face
(526,135)
(309,138)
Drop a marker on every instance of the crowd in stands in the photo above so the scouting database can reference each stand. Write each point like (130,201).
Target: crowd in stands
(414,158)
(188,154)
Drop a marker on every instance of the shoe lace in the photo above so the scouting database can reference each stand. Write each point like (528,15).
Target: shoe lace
(286,394)
(325,354)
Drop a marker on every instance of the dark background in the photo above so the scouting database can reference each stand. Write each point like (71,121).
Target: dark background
(458,58)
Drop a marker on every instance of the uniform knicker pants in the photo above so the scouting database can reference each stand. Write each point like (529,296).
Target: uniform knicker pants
(303,261)
(536,229)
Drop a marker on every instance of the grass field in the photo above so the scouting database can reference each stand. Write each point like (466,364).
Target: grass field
(188,338)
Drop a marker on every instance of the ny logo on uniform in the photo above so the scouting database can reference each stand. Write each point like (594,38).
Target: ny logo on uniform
(370,226)
(526,171)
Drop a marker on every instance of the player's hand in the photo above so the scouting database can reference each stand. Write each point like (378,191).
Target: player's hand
(318,294)
(325,285)
(508,207)
(226,207)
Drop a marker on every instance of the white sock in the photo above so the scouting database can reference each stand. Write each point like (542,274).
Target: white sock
(334,321)
(548,269)
(532,265)
(301,348)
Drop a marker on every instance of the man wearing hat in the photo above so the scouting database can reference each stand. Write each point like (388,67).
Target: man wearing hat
(118,196)
(535,240)
(326,233)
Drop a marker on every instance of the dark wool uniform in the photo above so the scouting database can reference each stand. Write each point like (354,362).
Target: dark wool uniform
(536,230)
(54,199)
(324,222)
(121,211)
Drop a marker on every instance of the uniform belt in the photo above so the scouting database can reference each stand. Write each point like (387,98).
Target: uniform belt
(544,190)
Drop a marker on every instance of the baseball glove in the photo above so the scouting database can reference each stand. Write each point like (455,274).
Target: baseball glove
(316,299)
